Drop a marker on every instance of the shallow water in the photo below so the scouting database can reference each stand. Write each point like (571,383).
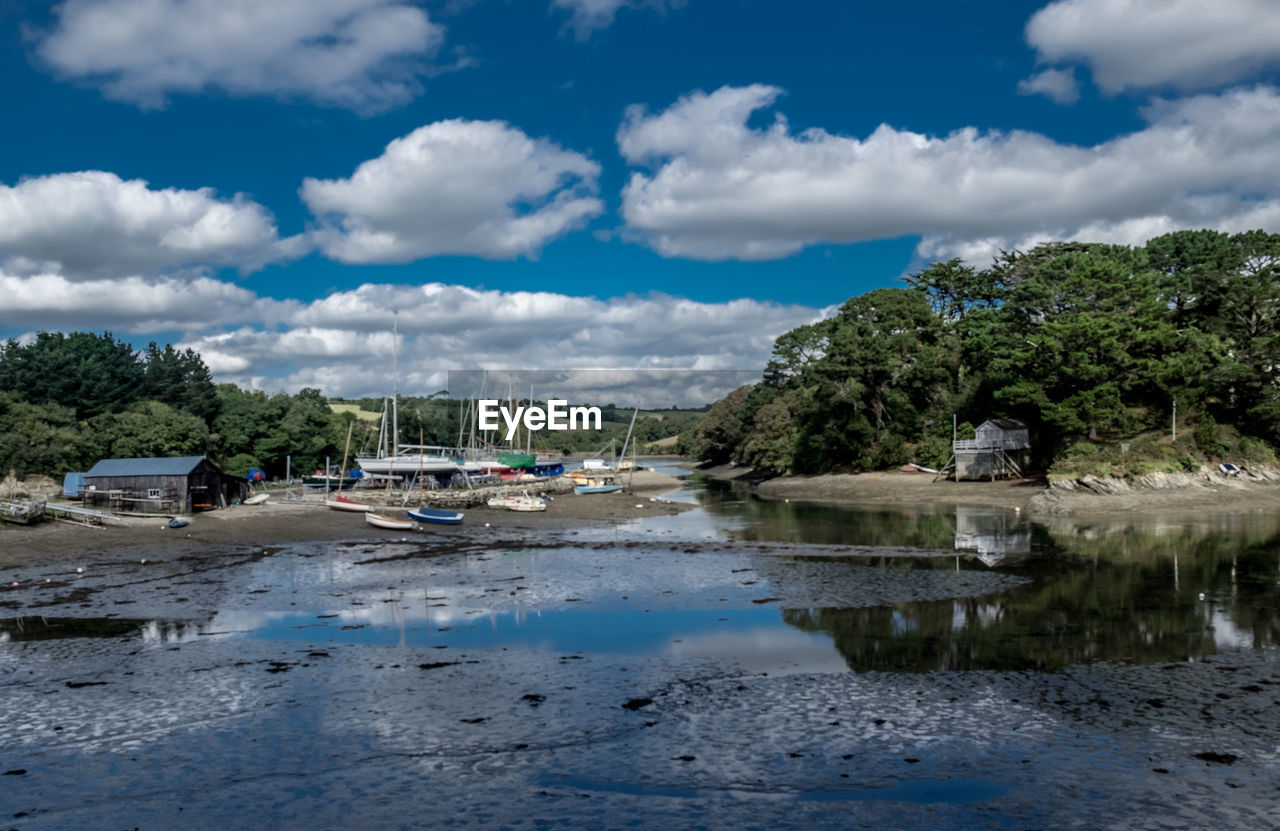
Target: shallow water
(745,664)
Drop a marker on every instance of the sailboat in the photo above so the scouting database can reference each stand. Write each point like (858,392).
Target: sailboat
(395,459)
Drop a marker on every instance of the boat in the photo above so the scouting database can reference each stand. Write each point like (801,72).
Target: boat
(342,503)
(403,462)
(388,522)
(257,499)
(516,459)
(178,522)
(21,511)
(332,480)
(436,516)
(596,488)
(518,503)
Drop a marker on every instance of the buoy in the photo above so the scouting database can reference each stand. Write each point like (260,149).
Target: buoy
(786,500)
(143,561)
(486,525)
(79,571)
(1202,595)
(15,584)
(638,505)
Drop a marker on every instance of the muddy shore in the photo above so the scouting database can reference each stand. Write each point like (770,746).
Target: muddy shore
(278,523)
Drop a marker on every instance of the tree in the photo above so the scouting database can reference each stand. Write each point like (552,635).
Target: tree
(92,374)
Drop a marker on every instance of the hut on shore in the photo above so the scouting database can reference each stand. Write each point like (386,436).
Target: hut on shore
(164,486)
(1000,447)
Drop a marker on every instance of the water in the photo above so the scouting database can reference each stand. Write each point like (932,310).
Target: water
(743,664)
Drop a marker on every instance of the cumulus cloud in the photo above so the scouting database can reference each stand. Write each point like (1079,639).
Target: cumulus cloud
(481,188)
(718,189)
(1143,44)
(361,54)
(94,223)
(128,304)
(1058,85)
(343,343)
(590,16)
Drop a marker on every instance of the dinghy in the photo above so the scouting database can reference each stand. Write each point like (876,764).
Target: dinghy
(436,516)
(342,503)
(388,522)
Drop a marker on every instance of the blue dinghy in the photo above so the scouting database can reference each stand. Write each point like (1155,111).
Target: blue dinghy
(439,516)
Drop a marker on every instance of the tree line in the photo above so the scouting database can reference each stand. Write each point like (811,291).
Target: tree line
(1088,344)
(69,400)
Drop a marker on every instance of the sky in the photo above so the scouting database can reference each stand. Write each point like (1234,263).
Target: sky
(567,184)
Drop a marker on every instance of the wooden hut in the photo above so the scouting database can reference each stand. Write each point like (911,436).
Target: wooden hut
(1000,447)
(163,486)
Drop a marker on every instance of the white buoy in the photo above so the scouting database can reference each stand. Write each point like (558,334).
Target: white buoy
(79,571)
(486,525)
(143,561)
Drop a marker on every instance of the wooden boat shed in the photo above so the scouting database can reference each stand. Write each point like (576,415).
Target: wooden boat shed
(1000,447)
(163,486)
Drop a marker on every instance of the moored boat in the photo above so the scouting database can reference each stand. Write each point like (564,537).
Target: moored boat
(518,503)
(390,523)
(342,503)
(436,516)
(257,499)
(596,488)
(22,511)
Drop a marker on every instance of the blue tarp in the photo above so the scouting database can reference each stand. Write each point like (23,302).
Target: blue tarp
(72,484)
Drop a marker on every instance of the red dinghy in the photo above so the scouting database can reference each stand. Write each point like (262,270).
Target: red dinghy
(342,503)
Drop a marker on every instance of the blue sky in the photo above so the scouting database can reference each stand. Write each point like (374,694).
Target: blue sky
(614,183)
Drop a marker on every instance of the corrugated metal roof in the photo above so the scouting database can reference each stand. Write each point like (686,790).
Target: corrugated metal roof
(175,466)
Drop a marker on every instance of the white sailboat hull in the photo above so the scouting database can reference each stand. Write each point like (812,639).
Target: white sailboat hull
(407,464)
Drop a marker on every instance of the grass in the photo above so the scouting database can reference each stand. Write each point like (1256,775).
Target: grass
(363,415)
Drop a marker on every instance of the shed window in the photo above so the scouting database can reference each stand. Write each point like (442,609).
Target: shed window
(153,493)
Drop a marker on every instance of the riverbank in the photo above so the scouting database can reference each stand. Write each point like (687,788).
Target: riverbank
(1157,495)
(883,488)
(277,523)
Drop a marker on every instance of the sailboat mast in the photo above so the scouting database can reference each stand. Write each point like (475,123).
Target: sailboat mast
(395,382)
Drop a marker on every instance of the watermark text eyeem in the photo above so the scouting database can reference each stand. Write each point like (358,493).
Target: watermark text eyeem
(558,415)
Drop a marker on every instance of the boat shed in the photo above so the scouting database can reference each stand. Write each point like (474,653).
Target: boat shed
(1000,447)
(164,486)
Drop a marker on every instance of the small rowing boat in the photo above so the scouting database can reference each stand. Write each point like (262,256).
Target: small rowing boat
(436,516)
(388,522)
(342,503)
(257,499)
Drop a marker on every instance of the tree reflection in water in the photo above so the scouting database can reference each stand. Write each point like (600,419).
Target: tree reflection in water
(1151,590)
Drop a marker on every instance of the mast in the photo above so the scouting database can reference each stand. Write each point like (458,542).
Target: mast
(395,382)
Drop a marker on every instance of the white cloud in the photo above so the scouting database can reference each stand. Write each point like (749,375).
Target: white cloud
(590,16)
(481,188)
(93,223)
(343,343)
(1058,85)
(128,304)
(1143,44)
(362,54)
(719,189)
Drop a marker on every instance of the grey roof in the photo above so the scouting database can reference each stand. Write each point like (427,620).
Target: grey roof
(1004,424)
(175,466)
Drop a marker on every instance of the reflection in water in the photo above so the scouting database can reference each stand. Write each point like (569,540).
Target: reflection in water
(1001,537)
(1145,590)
